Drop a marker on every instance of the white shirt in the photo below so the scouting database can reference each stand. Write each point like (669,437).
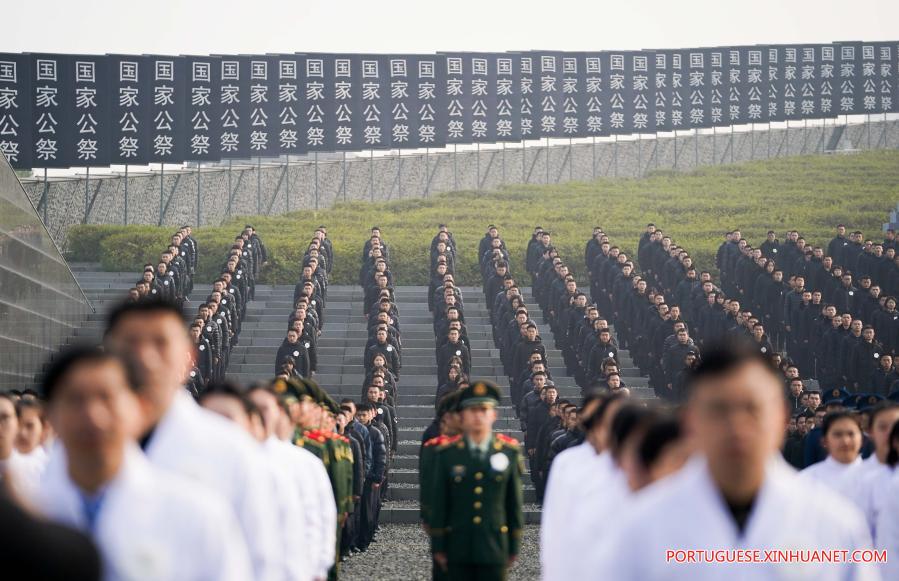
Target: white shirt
(842,478)
(207,448)
(23,471)
(576,475)
(687,512)
(151,524)
(311,536)
(872,489)
(888,529)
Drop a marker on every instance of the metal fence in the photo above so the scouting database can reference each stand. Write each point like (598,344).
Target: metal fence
(209,195)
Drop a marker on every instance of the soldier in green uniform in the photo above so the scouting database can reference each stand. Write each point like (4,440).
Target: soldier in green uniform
(447,415)
(475,515)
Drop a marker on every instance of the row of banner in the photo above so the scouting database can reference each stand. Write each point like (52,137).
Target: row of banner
(61,110)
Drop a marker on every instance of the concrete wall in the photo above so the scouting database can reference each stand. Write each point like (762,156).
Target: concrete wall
(274,189)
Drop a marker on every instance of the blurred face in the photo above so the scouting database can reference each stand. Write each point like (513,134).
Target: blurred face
(814,400)
(801,426)
(374,394)
(31,428)
(162,350)
(478,420)
(550,395)
(737,420)
(93,411)
(268,407)
(9,427)
(228,407)
(880,431)
(843,440)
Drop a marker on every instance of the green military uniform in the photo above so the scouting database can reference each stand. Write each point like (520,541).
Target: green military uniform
(475,499)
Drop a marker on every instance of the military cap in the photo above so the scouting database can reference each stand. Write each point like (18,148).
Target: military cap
(835,394)
(866,401)
(290,389)
(479,393)
(317,394)
(853,400)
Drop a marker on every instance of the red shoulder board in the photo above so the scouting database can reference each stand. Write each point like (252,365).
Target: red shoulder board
(344,439)
(435,441)
(311,434)
(507,439)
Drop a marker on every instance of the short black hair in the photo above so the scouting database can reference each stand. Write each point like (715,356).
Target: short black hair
(629,419)
(833,417)
(232,390)
(152,306)
(722,358)
(70,357)
(664,431)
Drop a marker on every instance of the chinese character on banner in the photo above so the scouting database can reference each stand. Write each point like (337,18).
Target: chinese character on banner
(792,85)
(16,109)
(507,89)
(717,87)
(592,96)
(698,81)
(263,100)
(886,60)
(286,104)
(203,108)
(826,81)
(375,112)
(529,104)
(459,101)
(632,100)
(480,77)
(549,101)
(53,87)
(573,85)
(430,100)
(168,106)
(91,105)
(317,82)
(850,83)
(754,83)
(129,108)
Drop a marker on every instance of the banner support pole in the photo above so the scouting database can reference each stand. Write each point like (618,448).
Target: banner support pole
(259,185)
(371,174)
(47,199)
(344,176)
(399,172)
(615,157)
(161,191)
(639,155)
(427,172)
(675,150)
(455,167)
(477,175)
(229,188)
(570,160)
(547,161)
(199,194)
(287,184)
(87,179)
(593,156)
(316,179)
(126,193)
(504,163)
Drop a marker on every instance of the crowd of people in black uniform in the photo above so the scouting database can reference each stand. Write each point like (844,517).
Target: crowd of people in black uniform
(215,328)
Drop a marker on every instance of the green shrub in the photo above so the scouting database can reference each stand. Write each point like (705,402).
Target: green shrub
(810,194)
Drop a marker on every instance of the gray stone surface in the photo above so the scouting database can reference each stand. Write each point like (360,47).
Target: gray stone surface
(275,188)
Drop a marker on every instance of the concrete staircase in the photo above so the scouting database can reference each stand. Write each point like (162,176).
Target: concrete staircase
(340,361)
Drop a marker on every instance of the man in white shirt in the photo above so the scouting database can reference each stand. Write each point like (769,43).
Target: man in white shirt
(22,473)
(737,494)
(183,438)
(579,475)
(147,524)
(310,481)
(876,473)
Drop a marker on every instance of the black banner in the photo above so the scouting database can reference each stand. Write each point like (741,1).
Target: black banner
(129,88)
(529,102)
(16,109)
(168,109)
(97,110)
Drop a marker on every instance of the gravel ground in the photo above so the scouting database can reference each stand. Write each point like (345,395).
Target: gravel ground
(401,553)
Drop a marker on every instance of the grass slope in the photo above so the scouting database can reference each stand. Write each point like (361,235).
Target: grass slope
(811,194)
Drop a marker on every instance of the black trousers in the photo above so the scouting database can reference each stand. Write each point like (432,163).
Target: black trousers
(371,505)
(470,572)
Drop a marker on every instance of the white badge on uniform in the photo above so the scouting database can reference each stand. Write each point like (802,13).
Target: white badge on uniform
(306,344)
(249,245)
(183,254)
(774,250)
(238,277)
(193,373)
(153,291)
(851,293)
(499,462)
(380,411)
(209,328)
(165,282)
(313,303)
(390,347)
(877,356)
(296,353)
(231,290)
(458,352)
(202,347)
(611,354)
(764,349)
(224,301)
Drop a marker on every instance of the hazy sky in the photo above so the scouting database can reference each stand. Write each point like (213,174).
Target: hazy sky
(257,26)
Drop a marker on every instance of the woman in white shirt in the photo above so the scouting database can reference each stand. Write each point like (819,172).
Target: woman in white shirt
(842,469)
